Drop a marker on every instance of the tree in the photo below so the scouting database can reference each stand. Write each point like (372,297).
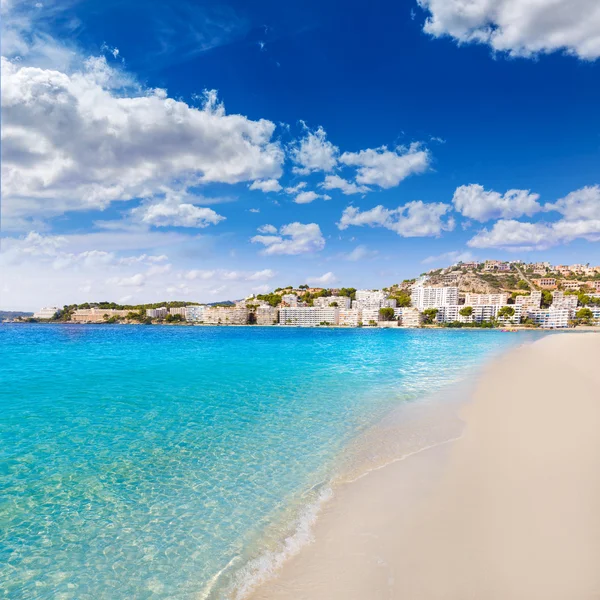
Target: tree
(429,315)
(584,316)
(523,285)
(506,312)
(386,314)
(467,311)
(334,304)
(402,298)
(303,287)
(546,299)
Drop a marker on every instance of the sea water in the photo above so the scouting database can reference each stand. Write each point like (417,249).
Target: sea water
(185,462)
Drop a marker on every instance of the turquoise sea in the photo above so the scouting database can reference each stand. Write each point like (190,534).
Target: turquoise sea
(181,462)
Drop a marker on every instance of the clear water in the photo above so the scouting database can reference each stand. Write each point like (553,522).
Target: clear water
(138,462)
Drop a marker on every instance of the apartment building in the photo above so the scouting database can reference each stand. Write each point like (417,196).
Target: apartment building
(267,315)
(225,315)
(423,297)
(560,300)
(481,313)
(325,301)
(370,298)
(571,286)
(411,317)
(551,318)
(157,313)
(370,316)
(547,283)
(596,312)
(496,265)
(308,316)
(194,314)
(533,300)
(350,317)
(97,315)
(289,300)
(45,313)
(180,310)
(477,299)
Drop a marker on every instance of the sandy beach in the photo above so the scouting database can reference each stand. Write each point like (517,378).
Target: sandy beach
(510,510)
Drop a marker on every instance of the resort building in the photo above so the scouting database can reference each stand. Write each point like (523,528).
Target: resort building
(157,313)
(551,318)
(350,317)
(225,315)
(547,283)
(533,300)
(97,315)
(326,301)
(178,311)
(481,313)
(411,317)
(571,286)
(308,316)
(370,299)
(560,300)
(45,313)
(476,299)
(194,314)
(267,315)
(289,300)
(370,316)
(423,297)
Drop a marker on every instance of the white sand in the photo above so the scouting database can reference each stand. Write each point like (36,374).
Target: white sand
(509,511)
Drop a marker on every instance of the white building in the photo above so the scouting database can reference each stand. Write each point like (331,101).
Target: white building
(178,311)
(45,313)
(267,315)
(289,300)
(225,315)
(326,301)
(596,312)
(423,297)
(489,299)
(308,316)
(562,300)
(481,313)
(370,316)
(551,318)
(350,317)
(370,299)
(194,314)
(410,317)
(157,313)
(534,300)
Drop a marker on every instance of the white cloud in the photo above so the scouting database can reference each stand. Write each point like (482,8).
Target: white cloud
(476,203)
(267,229)
(263,275)
(519,27)
(294,238)
(136,280)
(266,185)
(324,279)
(517,235)
(73,142)
(175,214)
(387,168)
(335,182)
(359,253)
(314,153)
(296,188)
(580,204)
(308,197)
(414,219)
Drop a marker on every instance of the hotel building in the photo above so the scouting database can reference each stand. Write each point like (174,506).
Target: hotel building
(548,283)
(350,317)
(194,314)
(551,318)
(267,315)
(481,313)
(370,299)
(476,299)
(560,300)
(308,316)
(423,297)
(326,301)
(410,317)
(97,315)
(178,311)
(45,313)
(534,300)
(157,313)
(225,315)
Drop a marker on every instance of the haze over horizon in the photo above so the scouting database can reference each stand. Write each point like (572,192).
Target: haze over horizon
(201,152)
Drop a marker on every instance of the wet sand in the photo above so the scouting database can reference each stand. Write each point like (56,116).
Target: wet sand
(511,510)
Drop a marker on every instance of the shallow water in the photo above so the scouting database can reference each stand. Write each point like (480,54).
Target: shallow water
(141,462)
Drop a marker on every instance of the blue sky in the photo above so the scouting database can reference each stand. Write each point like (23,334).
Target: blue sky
(379,141)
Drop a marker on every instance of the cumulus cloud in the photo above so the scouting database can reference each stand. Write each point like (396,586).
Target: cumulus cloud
(175,214)
(267,229)
(387,168)
(74,142)
(335,182)
(519,27)
(517,235)
(580,204)
(310,196)
(414,219)
(483,205)
(294,189)
(266,185)
(324,279)
(294,238)
(359,253)
(453,256)
(136,280)
(314,152)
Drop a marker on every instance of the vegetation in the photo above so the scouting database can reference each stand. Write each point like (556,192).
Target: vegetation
(522,285)
(273,299)
(585,316)
(546,299)
(429,315)
(506,312)
(466,311)
(401,297)
(386,314)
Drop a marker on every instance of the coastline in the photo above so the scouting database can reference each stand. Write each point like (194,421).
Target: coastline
(505,511)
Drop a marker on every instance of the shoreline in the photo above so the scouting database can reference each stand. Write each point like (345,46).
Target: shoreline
(416,527)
